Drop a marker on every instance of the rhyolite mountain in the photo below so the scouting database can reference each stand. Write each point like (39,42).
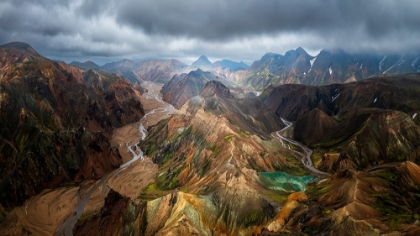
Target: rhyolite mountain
(221,169)
(56,121)
(87,65)
(202,62)
(211,154)
(232,65)
(185,86)
(151,70)
(221,173)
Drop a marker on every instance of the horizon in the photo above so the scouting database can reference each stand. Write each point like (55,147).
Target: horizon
(234,30)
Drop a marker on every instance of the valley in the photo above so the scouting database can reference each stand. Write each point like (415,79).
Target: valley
(57,211)
(111,151)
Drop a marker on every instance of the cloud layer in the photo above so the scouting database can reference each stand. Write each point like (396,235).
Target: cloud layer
(184,29)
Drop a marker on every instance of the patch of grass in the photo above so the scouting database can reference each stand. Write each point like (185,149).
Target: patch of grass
(169,180)
(315,190)
(203,170)
(151,192)
(276,196)
(228,138)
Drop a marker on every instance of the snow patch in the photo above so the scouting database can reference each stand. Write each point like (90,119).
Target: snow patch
(335,97)
(361,66)
(381,63)
(402,61)
(312,63)
(329,69)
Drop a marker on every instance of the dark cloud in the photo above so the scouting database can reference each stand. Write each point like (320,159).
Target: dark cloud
(184,29)
(236,18)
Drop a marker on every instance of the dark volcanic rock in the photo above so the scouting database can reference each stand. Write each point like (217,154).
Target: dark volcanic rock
(118,216)
(313,127)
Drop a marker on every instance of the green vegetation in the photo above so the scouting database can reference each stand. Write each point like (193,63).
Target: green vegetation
(216,149)
(169,180)
(255,215)
(277,196)
(151,192)
(88,215)
(204,168)
(314,190)
(228,138)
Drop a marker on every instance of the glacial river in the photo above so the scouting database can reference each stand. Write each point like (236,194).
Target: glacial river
(134,149)
(306,152)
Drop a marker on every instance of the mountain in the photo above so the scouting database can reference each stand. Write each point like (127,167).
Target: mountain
(373,120)
(367,134)
(338,159)
(202,62)
(208,154)
(185,86)
(221,173)
(151,70)
(232,65)
(56,121)
(87,65)
(328,67)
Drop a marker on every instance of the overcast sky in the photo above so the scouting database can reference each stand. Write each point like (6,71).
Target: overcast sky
(109,30)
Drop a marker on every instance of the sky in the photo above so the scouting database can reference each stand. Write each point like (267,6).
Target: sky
(241,30)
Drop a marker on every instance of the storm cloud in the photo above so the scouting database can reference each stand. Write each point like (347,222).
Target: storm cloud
(184,29)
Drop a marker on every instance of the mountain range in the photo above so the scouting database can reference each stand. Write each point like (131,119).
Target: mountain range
(256,151)
(294,67)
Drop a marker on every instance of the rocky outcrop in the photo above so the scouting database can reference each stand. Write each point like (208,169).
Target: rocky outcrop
(118,216)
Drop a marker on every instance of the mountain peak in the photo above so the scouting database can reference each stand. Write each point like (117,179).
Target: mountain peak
(19,46)
(300,50)
(202,61)
(215,88)
(85,65)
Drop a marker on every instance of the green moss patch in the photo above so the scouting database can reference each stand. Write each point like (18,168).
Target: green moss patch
(228,138)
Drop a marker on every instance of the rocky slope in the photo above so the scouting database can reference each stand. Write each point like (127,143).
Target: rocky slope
(56,122)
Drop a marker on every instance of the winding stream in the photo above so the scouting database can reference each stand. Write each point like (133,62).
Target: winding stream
(137,153)
(306,152)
